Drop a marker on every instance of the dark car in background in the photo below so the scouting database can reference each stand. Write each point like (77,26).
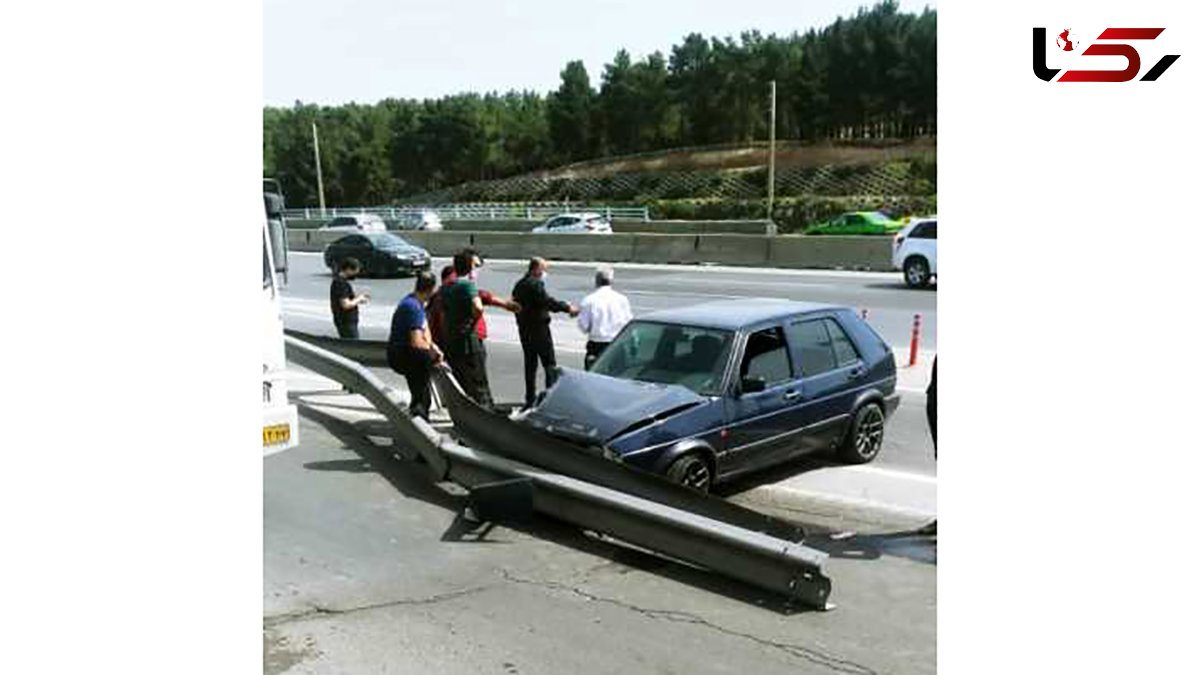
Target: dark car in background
(704,393)
(381,254)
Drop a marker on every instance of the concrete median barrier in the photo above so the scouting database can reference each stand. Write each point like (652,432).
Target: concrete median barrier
(817,252)
(790,251)
(733,249)
(665,248)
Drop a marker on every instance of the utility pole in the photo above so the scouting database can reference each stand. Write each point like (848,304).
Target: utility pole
(771,161)
(320,184)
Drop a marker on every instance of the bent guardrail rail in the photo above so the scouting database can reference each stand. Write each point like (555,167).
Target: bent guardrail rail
(754,553)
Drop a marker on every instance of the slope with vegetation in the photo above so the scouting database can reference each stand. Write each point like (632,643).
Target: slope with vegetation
(871,76)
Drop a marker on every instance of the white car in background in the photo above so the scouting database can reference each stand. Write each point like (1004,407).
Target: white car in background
(593,223)
(358,222)
(914,250)
(425,220)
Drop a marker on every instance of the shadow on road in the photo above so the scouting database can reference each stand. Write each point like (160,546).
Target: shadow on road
(914,546)
(900,286)
(410,480)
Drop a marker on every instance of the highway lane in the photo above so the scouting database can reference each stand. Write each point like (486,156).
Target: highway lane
(907,446)
(889,303)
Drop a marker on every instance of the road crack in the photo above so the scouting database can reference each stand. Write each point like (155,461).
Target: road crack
(804,653)
(316,610)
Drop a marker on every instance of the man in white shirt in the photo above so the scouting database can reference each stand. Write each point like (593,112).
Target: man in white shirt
(602,315)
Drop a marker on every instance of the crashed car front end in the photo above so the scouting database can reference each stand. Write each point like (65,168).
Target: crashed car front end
(624,420)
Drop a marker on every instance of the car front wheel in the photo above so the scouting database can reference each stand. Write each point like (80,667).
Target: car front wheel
(916,272)
(865,437)
(691,471)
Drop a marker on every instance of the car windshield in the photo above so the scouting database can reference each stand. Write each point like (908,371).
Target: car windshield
(385,240)
(668,354)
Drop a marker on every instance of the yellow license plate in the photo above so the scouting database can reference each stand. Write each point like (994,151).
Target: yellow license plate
(277,434)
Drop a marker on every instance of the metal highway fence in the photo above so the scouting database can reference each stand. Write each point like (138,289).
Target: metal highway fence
(526,211)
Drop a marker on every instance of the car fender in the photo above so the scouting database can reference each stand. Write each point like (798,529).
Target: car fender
(683,447)
(871,395)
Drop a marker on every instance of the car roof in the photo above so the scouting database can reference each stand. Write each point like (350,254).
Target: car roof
(735,314)
(579,214)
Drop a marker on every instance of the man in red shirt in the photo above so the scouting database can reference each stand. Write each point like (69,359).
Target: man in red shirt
(437,313)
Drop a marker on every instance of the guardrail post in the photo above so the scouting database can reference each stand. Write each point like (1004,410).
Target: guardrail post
(306,216)
(456,217)
(645,214)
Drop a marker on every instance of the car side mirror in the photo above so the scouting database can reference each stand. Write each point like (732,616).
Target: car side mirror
(753,385)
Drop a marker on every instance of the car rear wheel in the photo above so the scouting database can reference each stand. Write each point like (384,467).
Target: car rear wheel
(916,272)
(691,471)
(865,437)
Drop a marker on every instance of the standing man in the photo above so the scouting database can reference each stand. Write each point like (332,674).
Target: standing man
(465,349)
(931,418)
(342,300)
(410,351)
(435,309)
(489,298)
(602,314)
(533,324)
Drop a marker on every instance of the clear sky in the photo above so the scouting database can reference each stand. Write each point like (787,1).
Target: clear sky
(336,51)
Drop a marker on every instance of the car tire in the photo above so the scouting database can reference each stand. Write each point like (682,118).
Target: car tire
(916,272)
(864,439)
(691,471)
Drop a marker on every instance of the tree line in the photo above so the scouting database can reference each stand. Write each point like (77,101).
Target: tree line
(873,75)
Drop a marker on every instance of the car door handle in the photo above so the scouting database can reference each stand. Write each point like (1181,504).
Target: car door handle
(790,395)
(857,372)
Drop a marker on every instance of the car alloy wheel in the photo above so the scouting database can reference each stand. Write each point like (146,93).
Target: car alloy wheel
(916,272)
(691,471)
(866,435)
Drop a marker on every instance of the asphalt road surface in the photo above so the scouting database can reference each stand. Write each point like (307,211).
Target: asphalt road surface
(890,305)
(368,568)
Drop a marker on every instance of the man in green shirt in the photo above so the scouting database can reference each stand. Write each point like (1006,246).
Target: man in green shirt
(464,349)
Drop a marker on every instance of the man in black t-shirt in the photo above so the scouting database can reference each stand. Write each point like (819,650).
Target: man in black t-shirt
(343,302)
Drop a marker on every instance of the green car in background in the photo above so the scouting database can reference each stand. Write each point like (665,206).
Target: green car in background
(858,222)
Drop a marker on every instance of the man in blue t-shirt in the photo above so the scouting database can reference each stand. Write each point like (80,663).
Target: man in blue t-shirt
(410,351)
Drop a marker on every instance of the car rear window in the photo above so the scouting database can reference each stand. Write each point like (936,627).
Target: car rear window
(816,348)
(843,347)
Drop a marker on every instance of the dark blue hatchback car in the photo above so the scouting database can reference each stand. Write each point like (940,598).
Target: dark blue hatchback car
(703,393)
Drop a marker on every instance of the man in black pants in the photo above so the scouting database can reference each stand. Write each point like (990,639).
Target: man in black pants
(464,347)
(410,351)
(533,325)
(343,302)
(931,418)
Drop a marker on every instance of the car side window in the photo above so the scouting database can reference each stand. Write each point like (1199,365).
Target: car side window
(843,348)
(767,357)
(926,230)
(355,240)
(816,348)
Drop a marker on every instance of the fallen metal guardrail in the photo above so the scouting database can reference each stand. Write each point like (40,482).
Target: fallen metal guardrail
(756,555)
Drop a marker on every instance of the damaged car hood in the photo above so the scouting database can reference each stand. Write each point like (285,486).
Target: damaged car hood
(593,408)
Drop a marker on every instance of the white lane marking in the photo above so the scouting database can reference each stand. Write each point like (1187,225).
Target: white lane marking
(699,295)
(892,473)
